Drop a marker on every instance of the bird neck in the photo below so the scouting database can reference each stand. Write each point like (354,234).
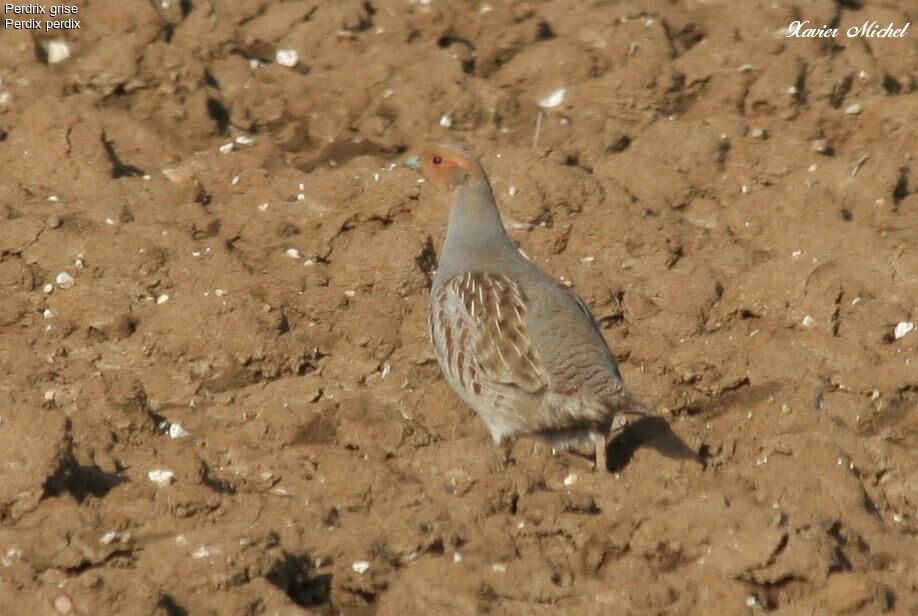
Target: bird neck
(475,235)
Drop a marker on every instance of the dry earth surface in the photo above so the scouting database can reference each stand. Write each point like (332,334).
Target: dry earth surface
(738,208)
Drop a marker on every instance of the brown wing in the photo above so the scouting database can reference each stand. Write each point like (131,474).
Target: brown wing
(478,324)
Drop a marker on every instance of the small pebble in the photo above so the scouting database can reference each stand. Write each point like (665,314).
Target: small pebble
(177,431)
(853,109)
(360,566)
(220,292)
(446,121)
(821,146)
(245,140)
(570,480)
(162,299)
(48,288)
(58,51)
(554,99)
(47,313)
(287,57)
(903,329)
(109,537)
(293,253)
(64,281)
(63,604)
(808,321)
(226,148)
(53,221)
(263,207)
(161,477)
(758,133)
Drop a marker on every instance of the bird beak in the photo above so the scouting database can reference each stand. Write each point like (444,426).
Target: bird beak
(413,163)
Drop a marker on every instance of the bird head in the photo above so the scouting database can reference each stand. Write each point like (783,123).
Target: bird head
(445,166)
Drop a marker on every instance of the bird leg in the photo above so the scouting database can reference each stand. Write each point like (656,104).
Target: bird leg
(600,438)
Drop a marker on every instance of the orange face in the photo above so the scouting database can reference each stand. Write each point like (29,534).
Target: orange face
(445,166)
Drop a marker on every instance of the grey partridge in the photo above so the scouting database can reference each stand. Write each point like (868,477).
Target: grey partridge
(516,345)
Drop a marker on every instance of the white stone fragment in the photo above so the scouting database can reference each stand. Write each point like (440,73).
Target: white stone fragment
(12,554)
(64,281)
(287,57)
(54,198)
(513,191)
(808,321)
(587,260)
(177,431)
(554,99)
(48,288)
(499,568)
(263,207)
(220,292)
(570,480)
(360,566)
(245,140)
(293,253)
(446,121)
(235,180)
(58,51)
(109,537)
(201,552)
(47,313)
(902,329)
(853,109)
(228,147)
(162,299)
(161,477)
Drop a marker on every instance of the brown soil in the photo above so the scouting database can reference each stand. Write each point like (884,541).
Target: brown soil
(752,246)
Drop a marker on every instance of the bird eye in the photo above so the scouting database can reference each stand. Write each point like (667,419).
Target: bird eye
(437,160)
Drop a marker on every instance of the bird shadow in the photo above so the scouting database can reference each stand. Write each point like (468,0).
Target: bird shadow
(653,432)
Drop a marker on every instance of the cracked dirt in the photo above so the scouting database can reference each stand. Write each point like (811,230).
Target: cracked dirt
(739,209)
